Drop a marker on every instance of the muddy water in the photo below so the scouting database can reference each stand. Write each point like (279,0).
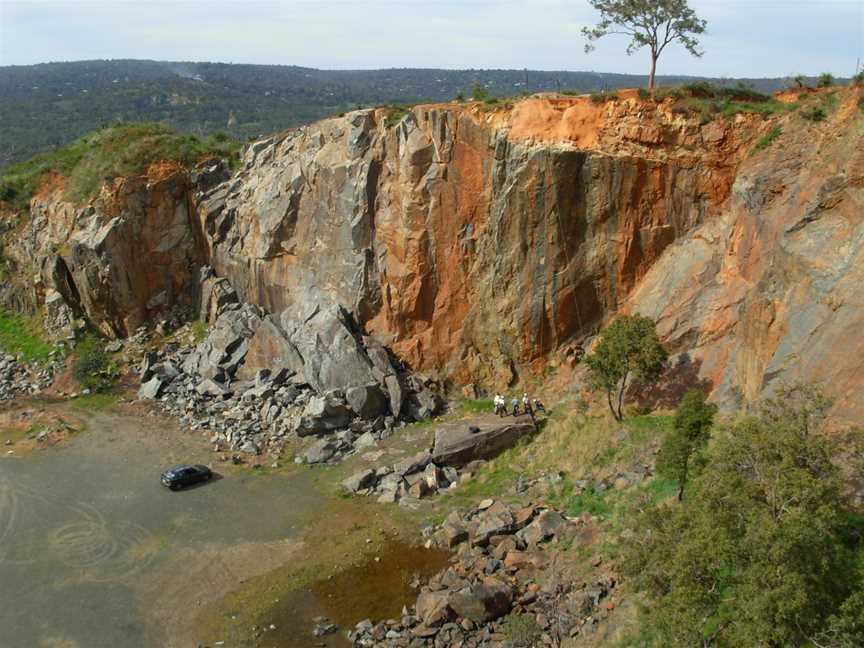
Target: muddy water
(371,590)
(95,552)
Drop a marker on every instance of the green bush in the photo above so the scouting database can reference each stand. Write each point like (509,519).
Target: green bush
(642,93)
(768,138)
(826,80)
(92,368)
(690,432)
(814,114)
(479,92)
(460,96)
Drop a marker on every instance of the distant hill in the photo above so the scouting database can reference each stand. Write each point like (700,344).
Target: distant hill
(48,105)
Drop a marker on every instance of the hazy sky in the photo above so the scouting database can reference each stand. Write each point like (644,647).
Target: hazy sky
(746,37)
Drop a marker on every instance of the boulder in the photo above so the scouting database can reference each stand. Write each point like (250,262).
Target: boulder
(412,464)
(456,445)
(483,602)
(323,414)
(320,451)
(151,389)
(433,608)
(544,527)
(397,394)
(423,404)
(367,401)
(360,480)
(209,387)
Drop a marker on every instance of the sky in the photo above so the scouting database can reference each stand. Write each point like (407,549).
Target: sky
(745,38)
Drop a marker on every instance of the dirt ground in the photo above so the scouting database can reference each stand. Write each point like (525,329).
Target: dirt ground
(95,552)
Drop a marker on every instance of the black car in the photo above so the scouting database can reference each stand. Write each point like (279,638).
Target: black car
(184,475)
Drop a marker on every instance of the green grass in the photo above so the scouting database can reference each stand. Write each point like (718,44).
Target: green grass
(199,331)
(22,336)
(659,489)
(522,629)
(396,115)
(768,138)
(118,150)
(97,402)
(814,114)
(479,406)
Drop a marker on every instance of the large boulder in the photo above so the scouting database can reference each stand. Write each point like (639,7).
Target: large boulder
(225,347)
(459,443)
(483,602)
(323,414)
(367,401)
(433,608)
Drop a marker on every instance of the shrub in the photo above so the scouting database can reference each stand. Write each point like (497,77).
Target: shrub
(92,367)
(799,81)
(642,93)
(858,79)
(479,92)
(768,138)
(814,114)
(522,629)
(690,432)
(826,80)
(603,97)
(460,96)
(491,101)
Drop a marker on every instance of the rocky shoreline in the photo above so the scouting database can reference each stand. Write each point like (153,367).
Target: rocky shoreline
(508,564)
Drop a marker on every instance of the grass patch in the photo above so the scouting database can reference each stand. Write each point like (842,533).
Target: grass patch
(396,115)
(199,331)
(492,481)
(659,489)
(522,629)
(98,402)
(92,367)
(814,114)
(573,504)
(22,336)
(119,150)
(769,138)
(478,406)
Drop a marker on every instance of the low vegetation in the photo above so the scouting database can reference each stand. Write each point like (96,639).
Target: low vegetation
(23,336)
(769,138)
(118,150)
(814,114)
(92,367)
(396,115)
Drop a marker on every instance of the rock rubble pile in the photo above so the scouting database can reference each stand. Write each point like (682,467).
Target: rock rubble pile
(258,379)
(17,377)
(506,564)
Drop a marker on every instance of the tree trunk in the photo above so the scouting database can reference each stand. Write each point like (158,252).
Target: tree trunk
(611,406)
(681,492)
(620,415)
(651,73)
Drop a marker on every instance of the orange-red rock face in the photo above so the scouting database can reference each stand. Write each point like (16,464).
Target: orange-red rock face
(479,243)
(474,243)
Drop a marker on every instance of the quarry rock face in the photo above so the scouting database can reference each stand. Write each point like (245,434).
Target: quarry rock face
(479,244)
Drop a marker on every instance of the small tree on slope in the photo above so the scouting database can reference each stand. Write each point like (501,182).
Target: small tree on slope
(690,432)
(651,23)
(629,348)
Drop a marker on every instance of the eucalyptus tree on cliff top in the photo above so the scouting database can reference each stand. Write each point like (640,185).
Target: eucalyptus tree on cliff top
(652,23)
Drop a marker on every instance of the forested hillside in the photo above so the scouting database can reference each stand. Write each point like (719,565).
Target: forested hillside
(48,105)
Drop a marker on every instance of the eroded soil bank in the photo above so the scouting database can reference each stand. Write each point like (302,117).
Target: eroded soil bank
(95,552)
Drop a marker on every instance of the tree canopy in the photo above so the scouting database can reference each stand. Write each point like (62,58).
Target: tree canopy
(760,553)
(690,432)
(649,23)
(629,348)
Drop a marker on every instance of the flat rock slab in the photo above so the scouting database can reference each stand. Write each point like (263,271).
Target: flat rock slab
(484,437)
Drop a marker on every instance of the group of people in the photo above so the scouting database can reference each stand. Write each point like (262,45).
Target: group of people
(528,406)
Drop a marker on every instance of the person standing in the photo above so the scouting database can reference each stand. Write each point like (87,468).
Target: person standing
(526,404)
(515,404)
